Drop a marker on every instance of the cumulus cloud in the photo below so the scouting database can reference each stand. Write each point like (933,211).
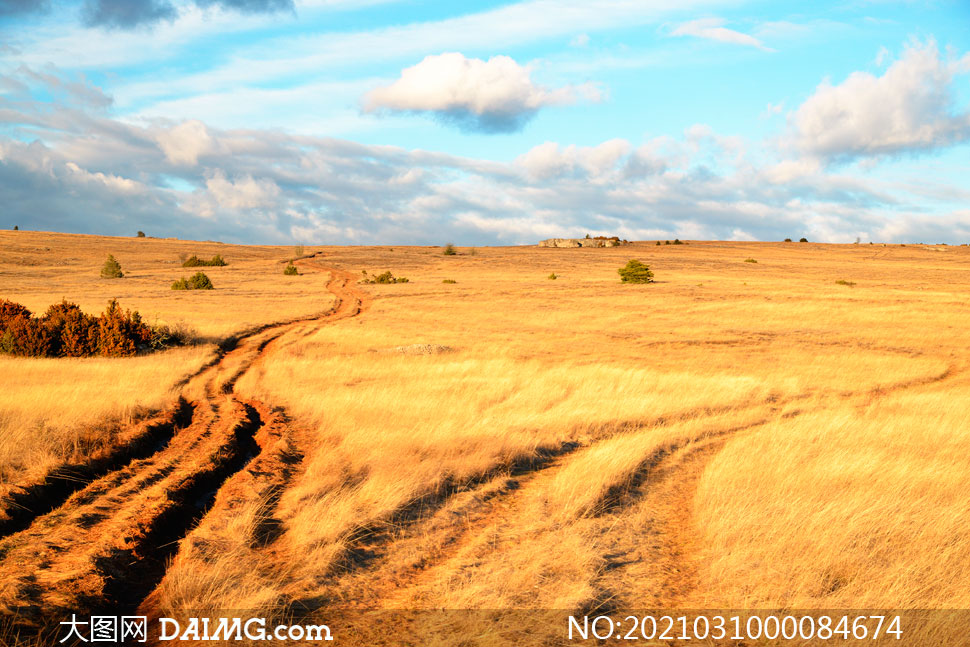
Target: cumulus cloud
(185,143)
(714,29)
(593,162)
(907,109)
(493,96)
(242,193)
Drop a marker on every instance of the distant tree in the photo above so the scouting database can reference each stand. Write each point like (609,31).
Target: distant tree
(658,243)
(140,234)
(678,241)
(16,228)
(449,250)
(788,240)
(635,272)
(587,235)
(111,269)
(803,240)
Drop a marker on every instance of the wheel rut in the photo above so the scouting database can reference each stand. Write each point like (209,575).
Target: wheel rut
(103,539)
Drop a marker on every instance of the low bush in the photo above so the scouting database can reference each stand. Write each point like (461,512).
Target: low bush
(678,241)
(195,261)
(750,260)
(164,336)
(552,277)
(197,281)
(635,272)
(803,240)
(449,250)
(290,270)
(65,331)
(111,269)
(384,278)
(449,281)
(140,234)
(844,282)
(788,240)
(658,243)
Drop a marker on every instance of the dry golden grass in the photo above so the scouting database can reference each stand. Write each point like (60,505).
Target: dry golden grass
(54,411)
(735,434)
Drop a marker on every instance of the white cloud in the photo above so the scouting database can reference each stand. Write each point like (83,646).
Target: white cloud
(242,193)
(909,108)
(496,95)
(183,144)
(551,160)
(713,29)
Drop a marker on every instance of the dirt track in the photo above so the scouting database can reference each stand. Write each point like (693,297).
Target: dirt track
(106,545)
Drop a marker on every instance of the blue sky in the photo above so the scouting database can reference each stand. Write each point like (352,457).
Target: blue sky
(332,121)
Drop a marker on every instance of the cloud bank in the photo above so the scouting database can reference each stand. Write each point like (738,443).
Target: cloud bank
(493,96)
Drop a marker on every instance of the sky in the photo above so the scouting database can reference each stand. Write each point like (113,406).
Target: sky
(487,123)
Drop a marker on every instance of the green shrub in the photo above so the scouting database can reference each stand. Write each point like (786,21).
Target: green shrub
(386,277)
(658,243)
(788,240)
(200,281)
(666,242)
(678,241)
(449,281)
(195,261)
(290,270)
(449,250)
(750,260)
(140,234)
(16,227)
(111,269)
(844,282)
(635,272)
(197,281)
(552,277)
(803,240)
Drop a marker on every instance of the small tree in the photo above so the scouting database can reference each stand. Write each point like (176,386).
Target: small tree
(803,240)
(111,269)
(140,234)
(788,240)
(635,272)
(449,250)
(290,270)
(16,227)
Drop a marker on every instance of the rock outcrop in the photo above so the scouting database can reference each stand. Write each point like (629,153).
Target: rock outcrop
(599,241)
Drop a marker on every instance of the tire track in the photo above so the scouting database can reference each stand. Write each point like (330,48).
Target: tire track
(105,545)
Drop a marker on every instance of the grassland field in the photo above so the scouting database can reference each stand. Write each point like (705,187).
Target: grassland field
(734,435)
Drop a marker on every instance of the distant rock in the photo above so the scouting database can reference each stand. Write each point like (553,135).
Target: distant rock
(599,241)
